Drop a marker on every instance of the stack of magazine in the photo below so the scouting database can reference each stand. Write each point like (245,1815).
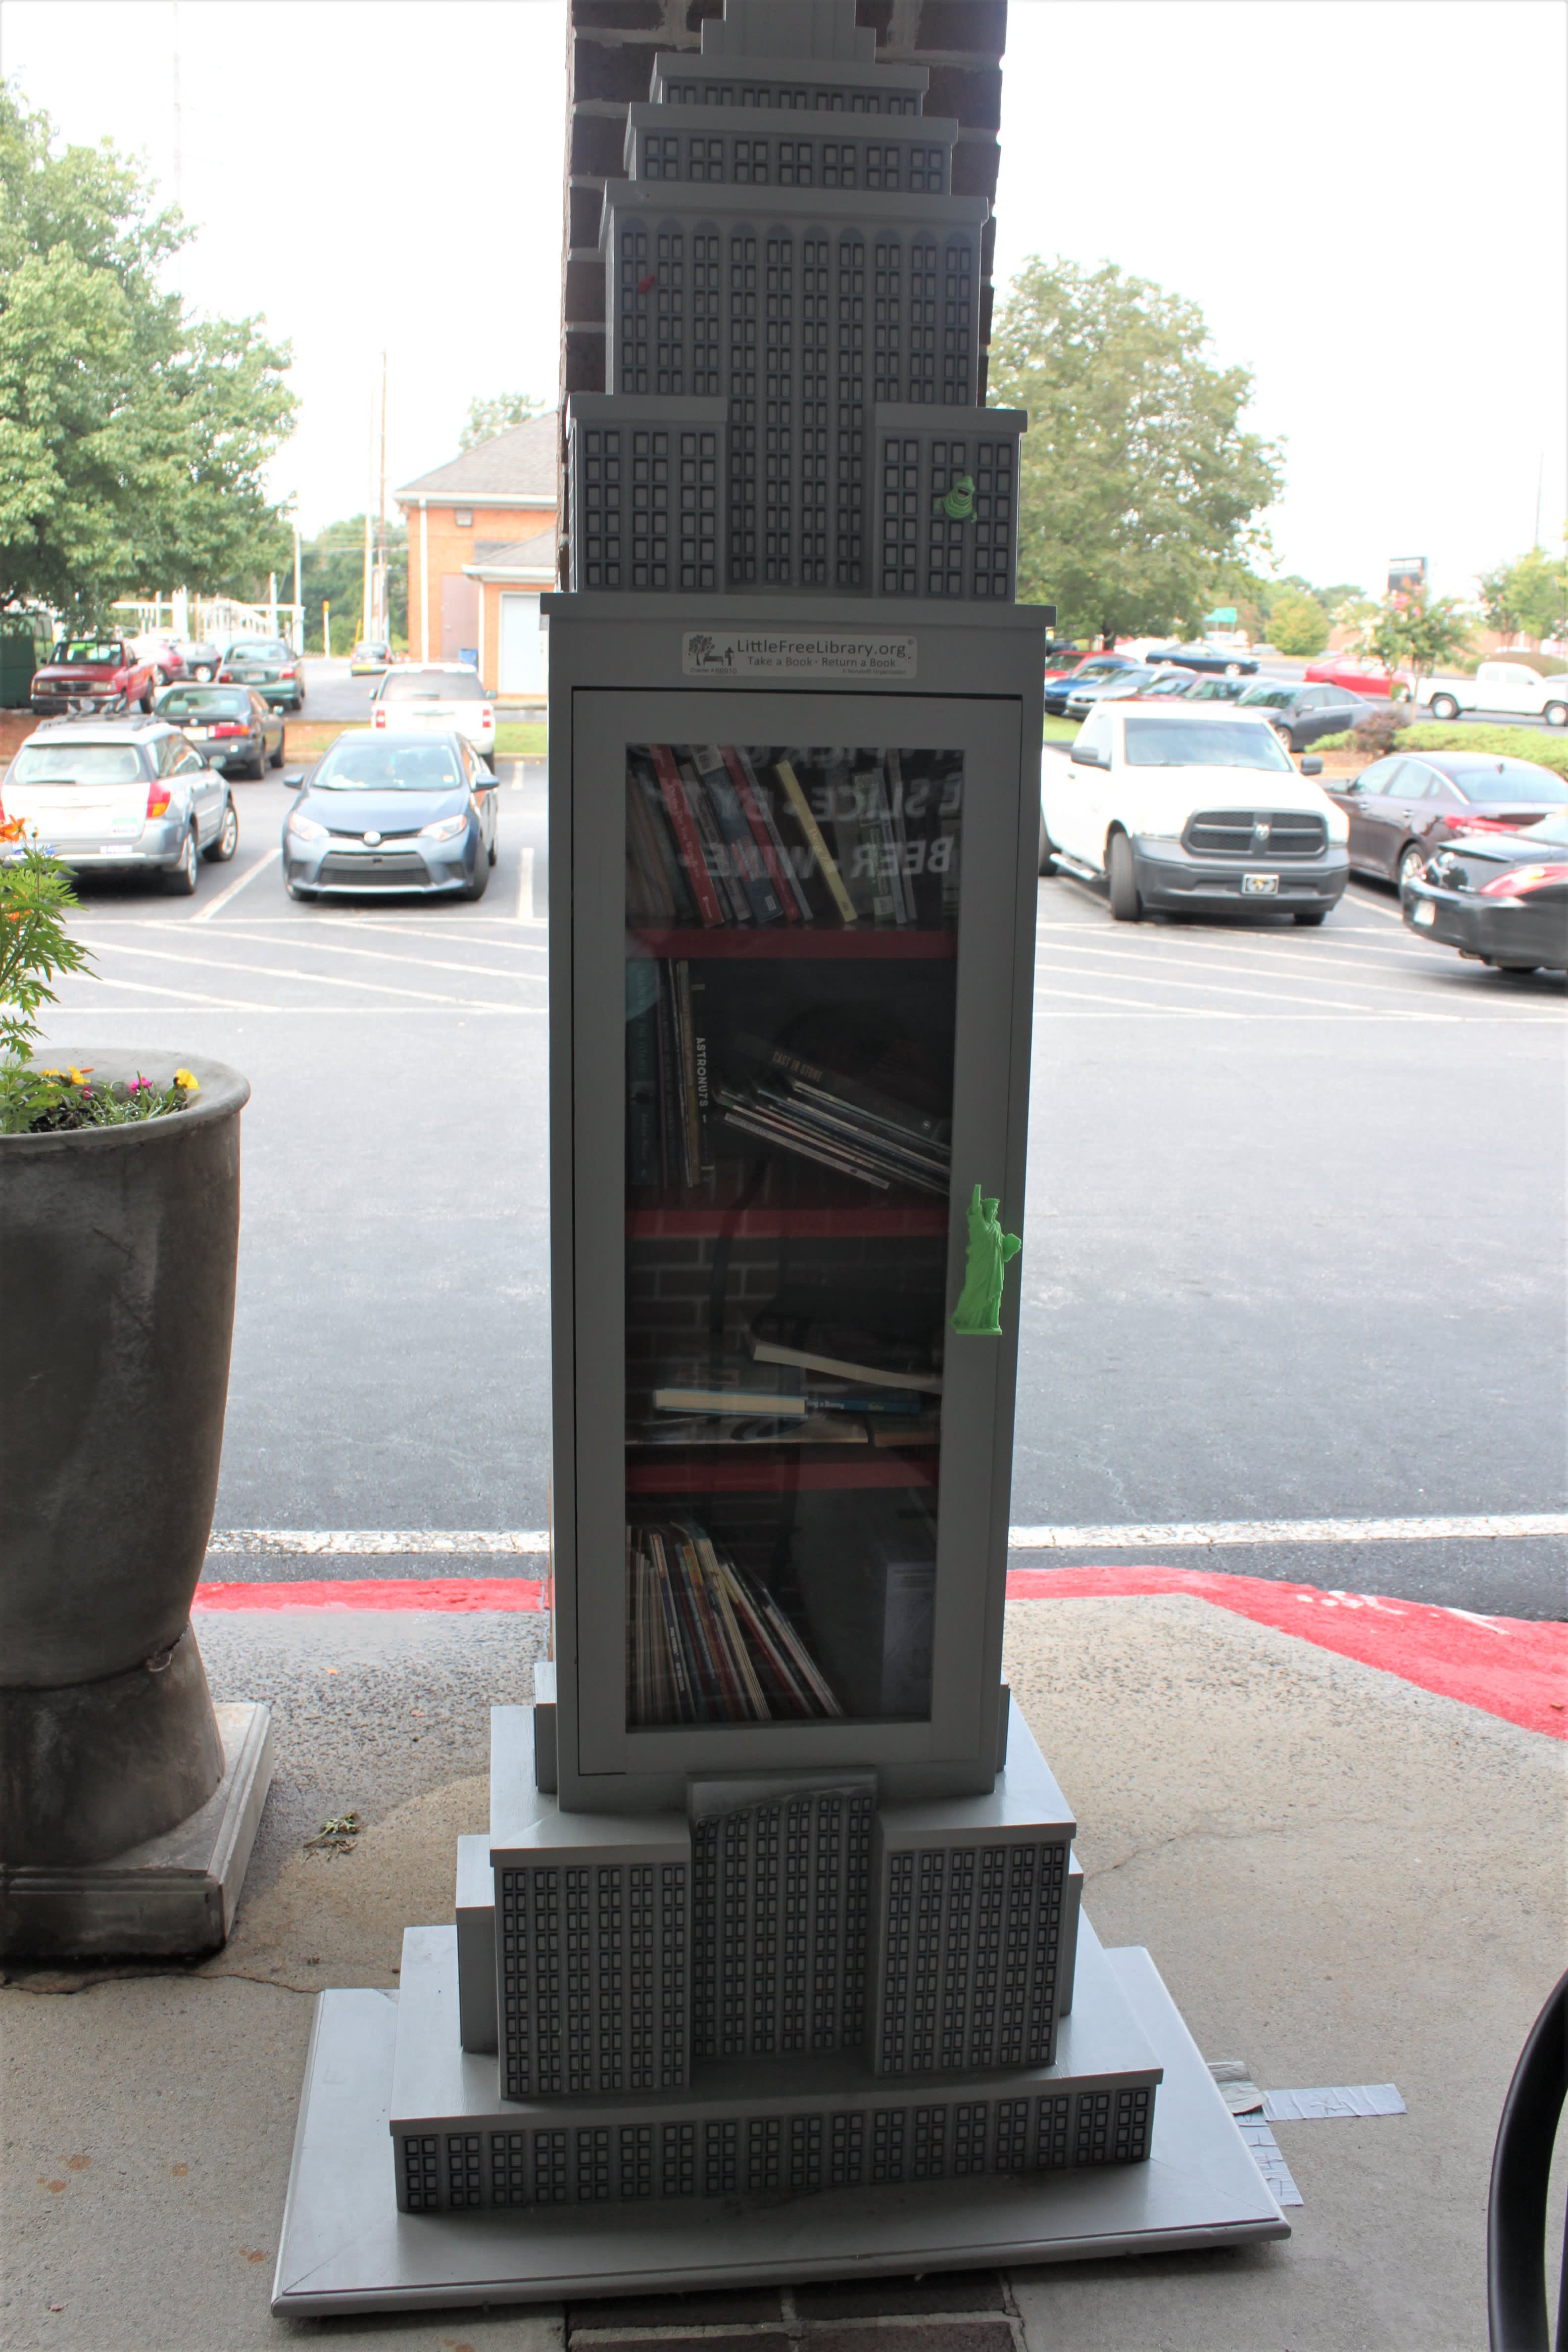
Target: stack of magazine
(840,1123)
(705,1642)
(717,835)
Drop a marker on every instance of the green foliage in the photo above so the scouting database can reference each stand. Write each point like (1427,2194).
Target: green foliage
(1137,485)
(1497,743)
(133,436)
(1417,632)
(35,895)
(1529,598)
(331,566)
(1297,623)
(488,417)
(62,1102)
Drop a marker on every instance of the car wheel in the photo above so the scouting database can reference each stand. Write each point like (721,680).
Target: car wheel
(490,855)
(1309,916)
(1047,851)
(1515,967)
(1445,707)
(1412,866)
(256,769)
(205,672)
(276,761)
(145,704)
(1556,714)
(180,882)
(481,883)
(1233,669)
(1125,904)
(219,852)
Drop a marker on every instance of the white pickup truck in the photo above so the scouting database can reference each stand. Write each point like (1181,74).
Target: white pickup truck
(1506,688)
(1202,809)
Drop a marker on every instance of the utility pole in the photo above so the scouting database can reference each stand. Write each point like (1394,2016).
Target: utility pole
(384,617)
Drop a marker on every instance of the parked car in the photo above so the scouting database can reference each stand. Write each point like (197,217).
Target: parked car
(1500,897)
(402,811)
(1400,808)
(1300,714)
(1091,666)
(202,658)
(1199,810)
(369,660)
(168,662)
(123,792)
(1083,693)
(1211,690)
(1506,689)
(87,673)
(1228,661)
(235,729)
(269,666)
(1159,686)
(442,695)
(1357,673)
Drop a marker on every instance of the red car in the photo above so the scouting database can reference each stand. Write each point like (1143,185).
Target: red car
(86,673)
(1354,672)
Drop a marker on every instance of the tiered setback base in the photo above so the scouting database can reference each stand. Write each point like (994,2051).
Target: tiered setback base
(346,2248)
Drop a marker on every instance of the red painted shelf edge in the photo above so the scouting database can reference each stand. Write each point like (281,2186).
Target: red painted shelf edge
(703,1477)
(786,1224)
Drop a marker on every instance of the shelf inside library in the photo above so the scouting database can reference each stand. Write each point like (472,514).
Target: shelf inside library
(697,942)
(716,1471)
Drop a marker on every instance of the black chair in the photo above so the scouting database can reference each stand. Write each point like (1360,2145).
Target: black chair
(1516,2212)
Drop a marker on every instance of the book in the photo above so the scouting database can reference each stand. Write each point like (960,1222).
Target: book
(760,816)
(706,1644)
(689,842)
(690,1021)
(786,1406)
(745,862)
(885,1107)
(716,854)
(844,1351)
(646,823)
(811,1134)
(826,865)
(815,1428)
(878,854)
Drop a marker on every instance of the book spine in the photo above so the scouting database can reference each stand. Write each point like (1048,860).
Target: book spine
(719,1592)
(759,815)
(827,865)
(656,830)
(741,1115)
(893,1114)
(745,862)
(800,1656)
(715,848)
(876,842)
(652,898)
(694,1050)
(765,1649)
(685,1700)
(693,862)
(709,1680)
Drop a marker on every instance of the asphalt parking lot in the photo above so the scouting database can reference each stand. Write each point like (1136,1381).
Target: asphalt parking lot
(1293,1238)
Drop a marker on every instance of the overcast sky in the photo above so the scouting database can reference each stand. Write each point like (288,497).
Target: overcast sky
(1366,198)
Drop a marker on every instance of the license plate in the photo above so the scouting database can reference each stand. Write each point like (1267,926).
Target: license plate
(1425,913)
(1259,885)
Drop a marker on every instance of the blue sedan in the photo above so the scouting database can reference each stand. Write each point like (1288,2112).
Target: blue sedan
(387,812)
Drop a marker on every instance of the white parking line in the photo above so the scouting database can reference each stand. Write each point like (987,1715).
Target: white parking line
(403,963)
(391,1543)
(1209,987)
(282,971)
(240,883)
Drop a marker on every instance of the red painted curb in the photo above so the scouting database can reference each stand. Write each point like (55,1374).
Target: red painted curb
(1508,1666)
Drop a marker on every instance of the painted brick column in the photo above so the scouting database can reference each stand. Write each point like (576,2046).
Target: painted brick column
(610,51)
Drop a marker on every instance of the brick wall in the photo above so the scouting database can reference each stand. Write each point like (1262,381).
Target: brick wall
(609,63)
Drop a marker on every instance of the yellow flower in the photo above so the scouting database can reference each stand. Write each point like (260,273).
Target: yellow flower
(81,1078)
(187,1082)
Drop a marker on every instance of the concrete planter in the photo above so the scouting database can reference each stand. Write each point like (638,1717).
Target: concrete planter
(117,1249)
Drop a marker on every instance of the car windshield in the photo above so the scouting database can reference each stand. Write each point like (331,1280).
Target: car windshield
(258,649)
(87,649)
(434,686)
(1220,744)
(76,763)
(360,765)
(202,702)
(1507,780)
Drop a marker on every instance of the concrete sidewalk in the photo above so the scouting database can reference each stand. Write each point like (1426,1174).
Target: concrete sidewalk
(1343,1879)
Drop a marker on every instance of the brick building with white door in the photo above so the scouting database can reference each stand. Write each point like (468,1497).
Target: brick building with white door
(481,551)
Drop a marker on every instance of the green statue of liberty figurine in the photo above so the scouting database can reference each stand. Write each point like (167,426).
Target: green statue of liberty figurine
(979,1304)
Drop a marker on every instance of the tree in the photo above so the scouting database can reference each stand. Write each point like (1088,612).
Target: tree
(134,436)
(1297,623)
(331,571)
(488,417)
(1529,598)
(1416,633)
(1138,485)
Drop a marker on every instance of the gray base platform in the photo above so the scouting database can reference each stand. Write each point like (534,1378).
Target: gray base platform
(172,1897)
(344,2248)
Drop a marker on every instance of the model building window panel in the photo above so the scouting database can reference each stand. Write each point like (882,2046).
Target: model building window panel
(792,920)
